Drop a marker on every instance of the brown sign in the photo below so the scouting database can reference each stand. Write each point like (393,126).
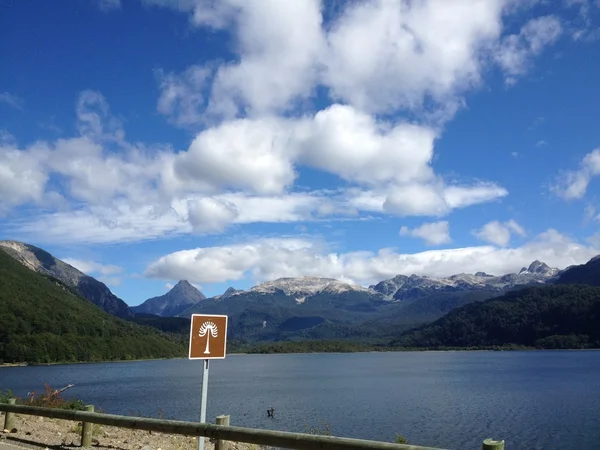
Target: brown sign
(208,337)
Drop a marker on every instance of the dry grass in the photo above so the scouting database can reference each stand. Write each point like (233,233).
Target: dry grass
(62,434)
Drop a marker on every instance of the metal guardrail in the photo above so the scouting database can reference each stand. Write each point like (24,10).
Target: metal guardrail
(270,438)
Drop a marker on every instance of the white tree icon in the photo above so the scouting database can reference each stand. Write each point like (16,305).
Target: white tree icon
(208,328)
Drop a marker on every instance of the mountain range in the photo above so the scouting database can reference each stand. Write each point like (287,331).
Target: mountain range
(303,307)
(325,308)
(54,312)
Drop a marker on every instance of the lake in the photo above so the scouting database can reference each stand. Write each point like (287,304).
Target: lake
(533,400)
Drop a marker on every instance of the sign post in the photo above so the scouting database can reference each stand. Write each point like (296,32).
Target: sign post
(208,340)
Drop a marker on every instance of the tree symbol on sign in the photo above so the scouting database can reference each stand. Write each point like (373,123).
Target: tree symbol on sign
(208,328)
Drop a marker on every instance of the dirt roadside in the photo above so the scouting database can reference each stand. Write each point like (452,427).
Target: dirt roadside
(41,432)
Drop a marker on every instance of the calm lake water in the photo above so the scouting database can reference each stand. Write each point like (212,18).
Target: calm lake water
(533,400)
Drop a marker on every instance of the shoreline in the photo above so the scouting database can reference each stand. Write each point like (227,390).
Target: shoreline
(432,350)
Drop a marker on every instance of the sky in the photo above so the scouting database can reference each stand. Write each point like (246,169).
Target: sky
(233,142)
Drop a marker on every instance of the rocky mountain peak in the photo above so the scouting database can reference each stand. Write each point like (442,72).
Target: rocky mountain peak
(183,287)
(401,287)
(229,292)
(306,286)
(180,297)
(538,267)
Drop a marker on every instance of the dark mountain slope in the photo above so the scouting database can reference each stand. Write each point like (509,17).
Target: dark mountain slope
(546,317)
(588,273)
(44,320)
(42,262)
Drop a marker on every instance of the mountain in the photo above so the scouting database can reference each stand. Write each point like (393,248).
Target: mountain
(44,320)
(289,307)
(588,273)
(325,308)
(554,316)
(179,298)
(403,287)
(42,262)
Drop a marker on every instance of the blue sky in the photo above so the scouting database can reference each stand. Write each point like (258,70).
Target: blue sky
(232,142)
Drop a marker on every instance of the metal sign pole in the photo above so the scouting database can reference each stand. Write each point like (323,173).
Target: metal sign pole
(203,404)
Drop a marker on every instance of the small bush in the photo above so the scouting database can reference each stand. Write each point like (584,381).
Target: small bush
(400,439)
(50,398)
(5,395)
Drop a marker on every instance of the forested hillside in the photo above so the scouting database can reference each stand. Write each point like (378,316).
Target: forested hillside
(544,317)
(43,320)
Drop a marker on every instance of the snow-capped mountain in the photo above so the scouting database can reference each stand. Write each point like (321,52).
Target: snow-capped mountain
(402,287)
(306,286)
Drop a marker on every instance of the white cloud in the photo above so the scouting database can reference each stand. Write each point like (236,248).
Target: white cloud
(515,228)
(22,176)
(267,259)
(434,233)
(12,100)
(353,145)
(92,267)
(378,56)
(211,215)
(515,52)
(594,239)
(433,199)
(169,286)
(93,118)
(108,5)
(389,55)
(279,45)
(243,154)
(372,57)
(182,96)
(584,27)
(541,143)
(573,184)
(499,233)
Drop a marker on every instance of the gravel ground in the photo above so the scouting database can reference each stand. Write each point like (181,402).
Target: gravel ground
(33,431)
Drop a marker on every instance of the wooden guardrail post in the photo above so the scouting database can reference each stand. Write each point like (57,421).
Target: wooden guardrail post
(220,444)
(86,429)
(490,444)
(9,418)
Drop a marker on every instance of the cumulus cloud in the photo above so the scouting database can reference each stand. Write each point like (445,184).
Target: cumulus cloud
(242,171)
(498,233)
(22,176)
(353,145)
(434,233)
(267,259)
(573,184)
(243,154)
(208,215)
(378,56)
(373,60)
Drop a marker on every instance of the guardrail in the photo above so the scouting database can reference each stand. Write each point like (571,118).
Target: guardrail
(220,433)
